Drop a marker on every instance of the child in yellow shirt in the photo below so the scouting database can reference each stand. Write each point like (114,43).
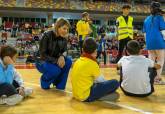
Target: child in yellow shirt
(87,82)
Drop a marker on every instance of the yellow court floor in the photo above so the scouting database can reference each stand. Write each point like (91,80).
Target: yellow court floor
(61,102)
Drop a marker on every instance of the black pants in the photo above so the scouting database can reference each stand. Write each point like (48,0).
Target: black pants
(81,42)
(8,89)
(122,45)
(152,76)
(81,45)
(104,54)
(102,89)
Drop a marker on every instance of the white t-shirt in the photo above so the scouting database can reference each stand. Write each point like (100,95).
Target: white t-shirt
(135,74)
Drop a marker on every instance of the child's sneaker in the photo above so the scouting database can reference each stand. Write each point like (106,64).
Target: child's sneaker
(110,97)
(28,91)
(2,99)
(11,100)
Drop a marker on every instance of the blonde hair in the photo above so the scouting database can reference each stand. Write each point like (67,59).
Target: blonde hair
(61,22)
(84,14)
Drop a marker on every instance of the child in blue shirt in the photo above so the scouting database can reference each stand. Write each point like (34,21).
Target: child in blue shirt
(12,89)
(155,44)
(101,48)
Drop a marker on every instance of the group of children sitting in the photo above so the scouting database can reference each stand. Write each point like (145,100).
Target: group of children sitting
(89,84)
(137,75)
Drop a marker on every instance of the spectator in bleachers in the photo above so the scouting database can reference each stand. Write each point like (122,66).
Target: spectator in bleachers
(14,30)
(102,30)
(74,42)
(114,5)
(2,27)
(73,29)
(4,37)
(102,48)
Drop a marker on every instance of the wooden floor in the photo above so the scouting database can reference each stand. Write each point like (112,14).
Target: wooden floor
(59,102)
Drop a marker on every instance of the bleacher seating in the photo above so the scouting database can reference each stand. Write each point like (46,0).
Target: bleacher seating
(83,5)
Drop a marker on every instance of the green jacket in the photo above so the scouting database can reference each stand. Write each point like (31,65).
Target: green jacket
(94,31)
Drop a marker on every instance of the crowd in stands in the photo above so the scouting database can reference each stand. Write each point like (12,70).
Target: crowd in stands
(79,5)
(28,34)
(25,36)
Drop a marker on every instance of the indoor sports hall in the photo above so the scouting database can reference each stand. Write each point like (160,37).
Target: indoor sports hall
(48,64)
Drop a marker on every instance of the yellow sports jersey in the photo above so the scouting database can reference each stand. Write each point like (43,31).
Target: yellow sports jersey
(83,28)
(83,74)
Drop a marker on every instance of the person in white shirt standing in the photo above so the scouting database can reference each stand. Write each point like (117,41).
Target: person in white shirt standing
(137,72)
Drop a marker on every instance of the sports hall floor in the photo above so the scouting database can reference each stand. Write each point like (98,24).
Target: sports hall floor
(60,102)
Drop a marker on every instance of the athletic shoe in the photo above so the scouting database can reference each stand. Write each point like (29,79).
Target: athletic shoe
(11,100)
(28,91)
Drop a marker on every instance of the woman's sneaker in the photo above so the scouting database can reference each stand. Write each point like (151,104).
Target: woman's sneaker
(28,91)
(11,100)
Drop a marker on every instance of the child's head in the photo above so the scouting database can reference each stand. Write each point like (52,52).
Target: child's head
(90,46)
(8,51)
(133,47)
(85,16)
(126,9)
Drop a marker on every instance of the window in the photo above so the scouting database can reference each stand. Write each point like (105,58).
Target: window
(27,19)
(16,20)
(32,19)
(112,22)
(71,21)
(43,20)
(22,19)
(54,20)
(38,20)
(98,22)
(11,19)
(4,19)
(75,21)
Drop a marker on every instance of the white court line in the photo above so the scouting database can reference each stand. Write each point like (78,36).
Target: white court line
(109,102)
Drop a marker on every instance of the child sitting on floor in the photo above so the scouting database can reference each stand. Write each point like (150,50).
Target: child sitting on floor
(137,72)
(12,89)
(87,82)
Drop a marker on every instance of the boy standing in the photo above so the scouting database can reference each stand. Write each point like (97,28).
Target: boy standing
(124,25)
